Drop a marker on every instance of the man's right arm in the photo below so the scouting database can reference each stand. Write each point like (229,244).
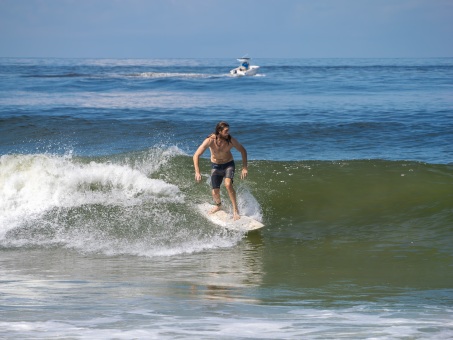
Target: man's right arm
(196,158)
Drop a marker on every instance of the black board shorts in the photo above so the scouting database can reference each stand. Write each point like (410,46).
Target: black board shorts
(221,171)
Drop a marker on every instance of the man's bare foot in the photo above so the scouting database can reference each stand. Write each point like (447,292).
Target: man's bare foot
(215,209)
(236,216)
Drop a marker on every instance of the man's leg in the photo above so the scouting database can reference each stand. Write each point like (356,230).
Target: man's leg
(217,201)
(216,181)
(232,194)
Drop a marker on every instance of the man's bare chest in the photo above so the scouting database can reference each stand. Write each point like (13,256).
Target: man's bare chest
(221,146)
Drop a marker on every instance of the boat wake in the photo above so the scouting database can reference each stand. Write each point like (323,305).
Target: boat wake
(178,75)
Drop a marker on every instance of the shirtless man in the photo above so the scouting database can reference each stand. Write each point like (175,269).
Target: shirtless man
(220,144)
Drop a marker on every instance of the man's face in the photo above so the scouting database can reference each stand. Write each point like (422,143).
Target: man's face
(225,133)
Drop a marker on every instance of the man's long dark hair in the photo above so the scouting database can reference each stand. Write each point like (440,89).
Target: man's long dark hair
(219,127)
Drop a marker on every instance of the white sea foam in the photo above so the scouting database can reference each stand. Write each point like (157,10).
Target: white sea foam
(174,75)
(248,205)
(31,185)
(311,324)
(101,206)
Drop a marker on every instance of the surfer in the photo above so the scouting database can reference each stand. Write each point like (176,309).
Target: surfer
(220,144)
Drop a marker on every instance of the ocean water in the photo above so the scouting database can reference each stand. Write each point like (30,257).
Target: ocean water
(350,170)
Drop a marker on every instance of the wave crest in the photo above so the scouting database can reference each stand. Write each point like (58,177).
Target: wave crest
(31,185)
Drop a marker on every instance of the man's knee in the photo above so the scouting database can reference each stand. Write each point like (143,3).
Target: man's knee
(228,183)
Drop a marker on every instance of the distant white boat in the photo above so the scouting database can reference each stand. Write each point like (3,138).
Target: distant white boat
(245,69)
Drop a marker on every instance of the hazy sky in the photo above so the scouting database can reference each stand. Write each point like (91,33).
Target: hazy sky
(226,28)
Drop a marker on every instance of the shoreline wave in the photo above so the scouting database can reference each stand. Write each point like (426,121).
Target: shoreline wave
(114,201)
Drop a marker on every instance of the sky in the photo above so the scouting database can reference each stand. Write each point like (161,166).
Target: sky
(226,28)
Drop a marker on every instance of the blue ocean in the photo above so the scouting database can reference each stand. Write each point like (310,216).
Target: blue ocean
(350,170)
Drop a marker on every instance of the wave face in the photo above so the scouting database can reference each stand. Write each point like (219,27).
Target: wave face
(369,200)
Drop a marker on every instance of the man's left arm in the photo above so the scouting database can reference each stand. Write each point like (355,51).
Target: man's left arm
(243,152)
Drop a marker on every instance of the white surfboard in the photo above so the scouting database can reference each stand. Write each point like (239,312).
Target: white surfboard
(223,219)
